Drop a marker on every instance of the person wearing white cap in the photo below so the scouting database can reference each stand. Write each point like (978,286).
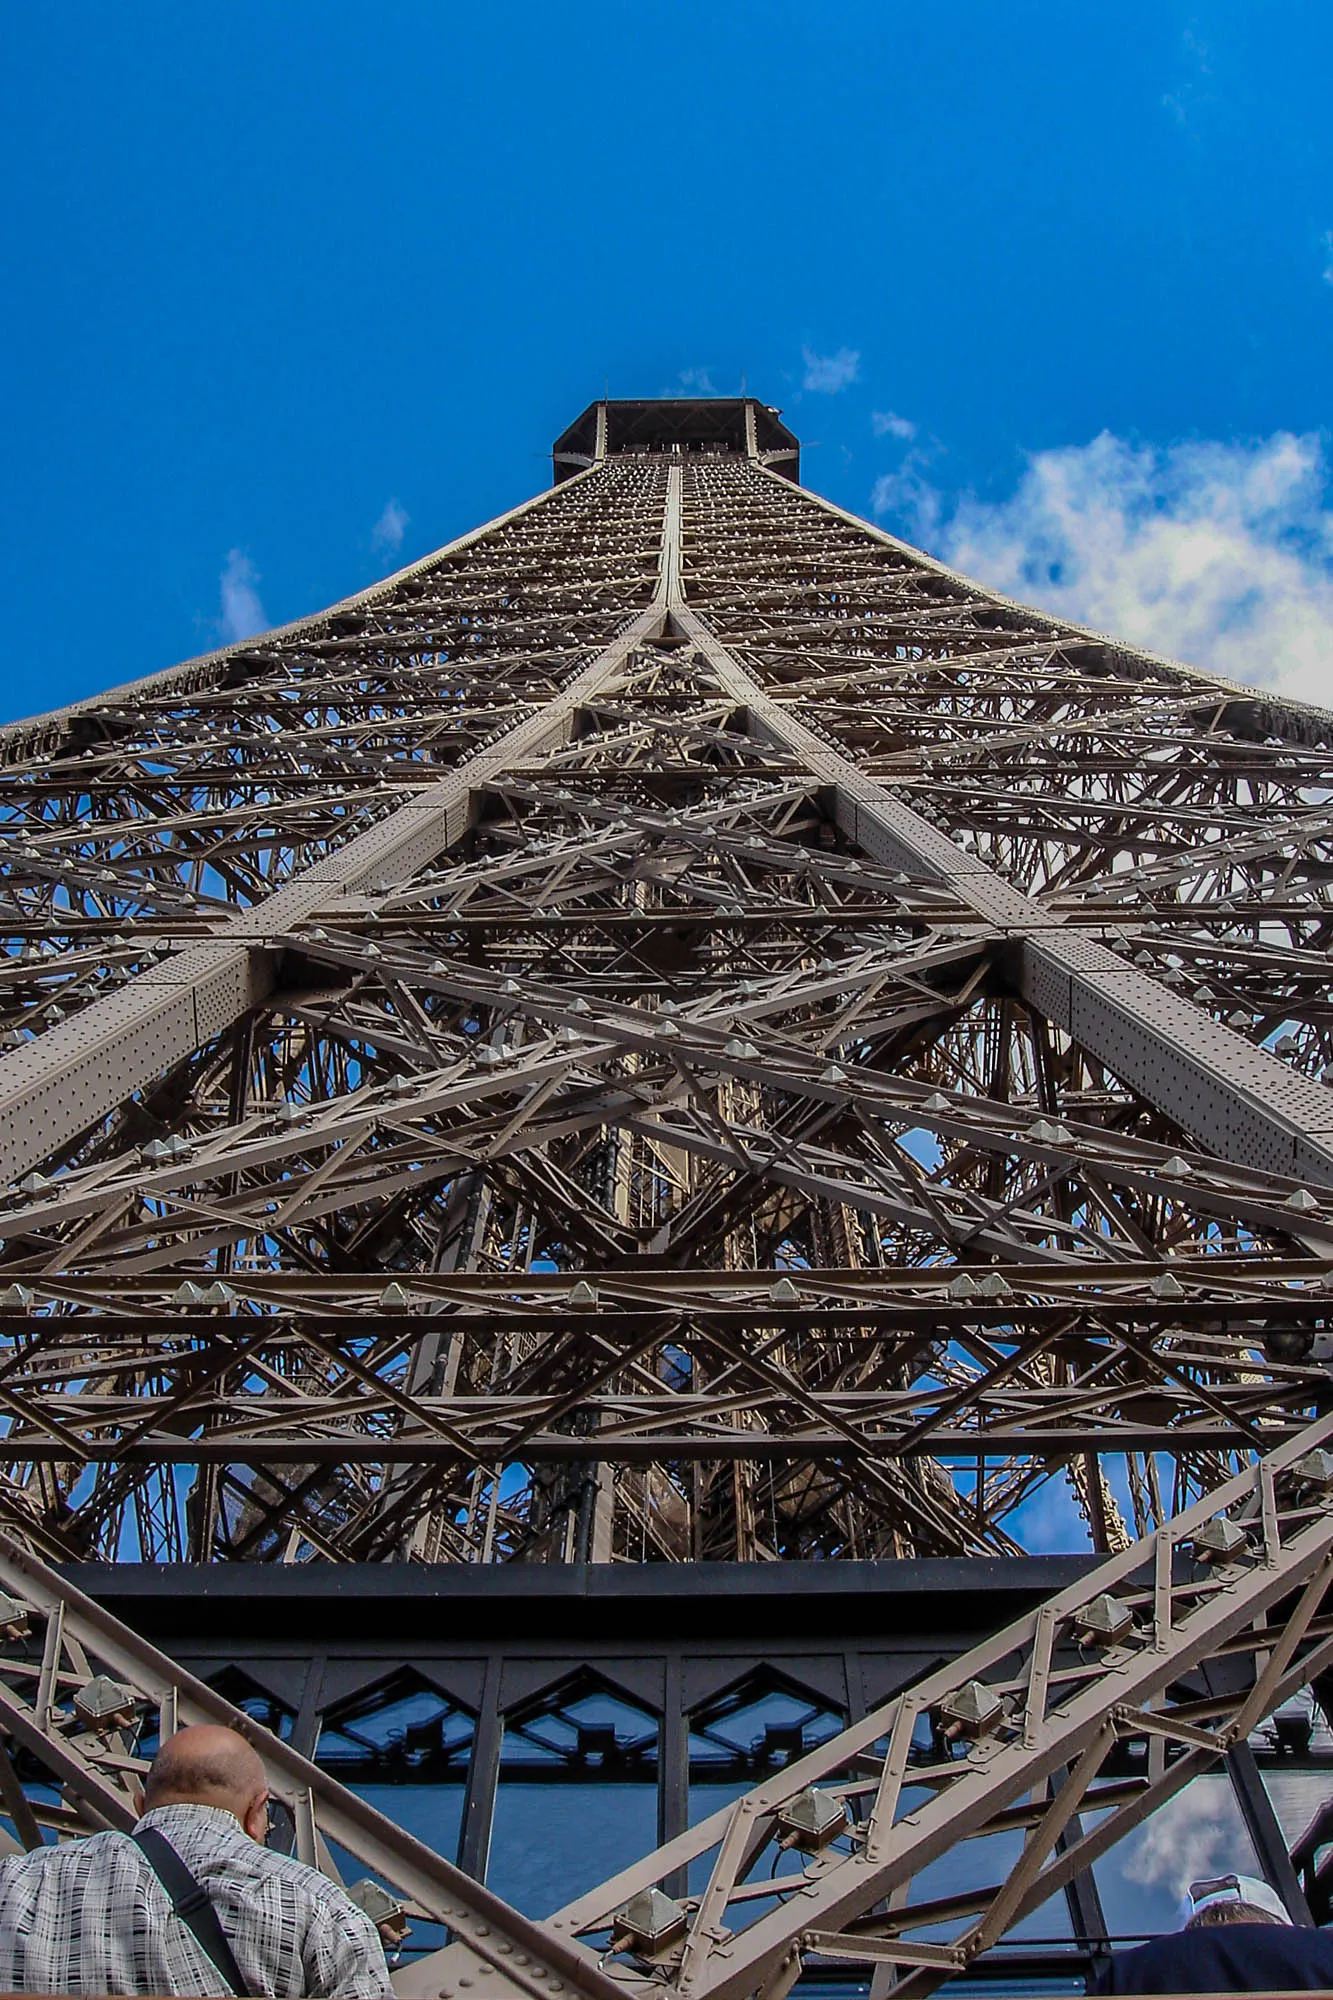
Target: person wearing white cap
(1238,1937)
(1231,1899)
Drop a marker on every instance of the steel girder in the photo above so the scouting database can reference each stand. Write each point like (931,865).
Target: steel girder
(1184,1641)
(675,991)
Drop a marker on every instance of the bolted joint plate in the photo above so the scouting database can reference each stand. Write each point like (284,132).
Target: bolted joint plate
(72,1075)
(460,1972)
(1236,1100)
(410,839)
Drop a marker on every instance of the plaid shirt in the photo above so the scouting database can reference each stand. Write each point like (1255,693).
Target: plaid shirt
(90,1916)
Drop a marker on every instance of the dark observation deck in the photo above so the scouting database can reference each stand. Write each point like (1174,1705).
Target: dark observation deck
(674,424)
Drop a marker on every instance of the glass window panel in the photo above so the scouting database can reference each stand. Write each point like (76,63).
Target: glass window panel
(400,1732)
(1143,1877)
(754,1729)
(553,1841)
(737,1740)
(431,1813)
(577,1797)
(584,1732)
(977,1864)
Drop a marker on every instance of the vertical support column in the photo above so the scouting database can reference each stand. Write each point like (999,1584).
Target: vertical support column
(1082,1894)
(305,1729)
(854,1681)
(1262,1825)
(669,588)
(673,1771)
(483,1775)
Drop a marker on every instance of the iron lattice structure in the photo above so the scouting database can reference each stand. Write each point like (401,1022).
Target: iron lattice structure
(676,1028)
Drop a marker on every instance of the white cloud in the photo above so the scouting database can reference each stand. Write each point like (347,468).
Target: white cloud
(386,537)
(242,614)
(1326,245)
(886,423)
(908,496)
(697,379)
(827,373)
(1196,1834)
(1219,554)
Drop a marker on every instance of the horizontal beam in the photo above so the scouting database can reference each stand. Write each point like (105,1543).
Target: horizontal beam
(411,1447)
(643,1608)
(1262,1291)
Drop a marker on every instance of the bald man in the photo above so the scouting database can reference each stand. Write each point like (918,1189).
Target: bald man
(94,1916)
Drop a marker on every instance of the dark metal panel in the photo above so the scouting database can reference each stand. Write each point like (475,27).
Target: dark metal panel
(639,1680)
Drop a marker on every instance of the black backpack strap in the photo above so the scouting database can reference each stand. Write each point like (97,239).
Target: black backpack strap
(192,1903)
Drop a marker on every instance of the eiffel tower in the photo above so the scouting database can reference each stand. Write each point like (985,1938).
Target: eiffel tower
(676,1031)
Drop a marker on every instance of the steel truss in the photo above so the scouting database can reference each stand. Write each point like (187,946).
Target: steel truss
(1186,1641)
(679,1029)
(673,1028)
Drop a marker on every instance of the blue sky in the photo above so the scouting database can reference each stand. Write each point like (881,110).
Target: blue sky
(297,292)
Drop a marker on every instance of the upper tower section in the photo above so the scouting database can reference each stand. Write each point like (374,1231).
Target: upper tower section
(678,424)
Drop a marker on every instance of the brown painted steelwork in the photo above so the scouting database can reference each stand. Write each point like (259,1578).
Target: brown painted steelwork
(1185,1641)
(678,1029)
(899,1017)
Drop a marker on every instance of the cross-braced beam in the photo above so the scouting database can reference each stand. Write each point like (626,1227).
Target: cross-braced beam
(675,877)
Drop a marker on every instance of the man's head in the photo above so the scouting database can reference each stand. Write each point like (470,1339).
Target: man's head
(209,1766)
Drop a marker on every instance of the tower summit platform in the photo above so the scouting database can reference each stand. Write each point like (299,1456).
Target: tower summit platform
(679,425)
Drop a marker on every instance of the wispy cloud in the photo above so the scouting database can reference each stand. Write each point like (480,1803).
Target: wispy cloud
(828,373)
(697,381)
(1326,246)
(1196,1834)
(241,613)
(386,537)
(907,497)
(1187,98)
(887,423)
(1220,554)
